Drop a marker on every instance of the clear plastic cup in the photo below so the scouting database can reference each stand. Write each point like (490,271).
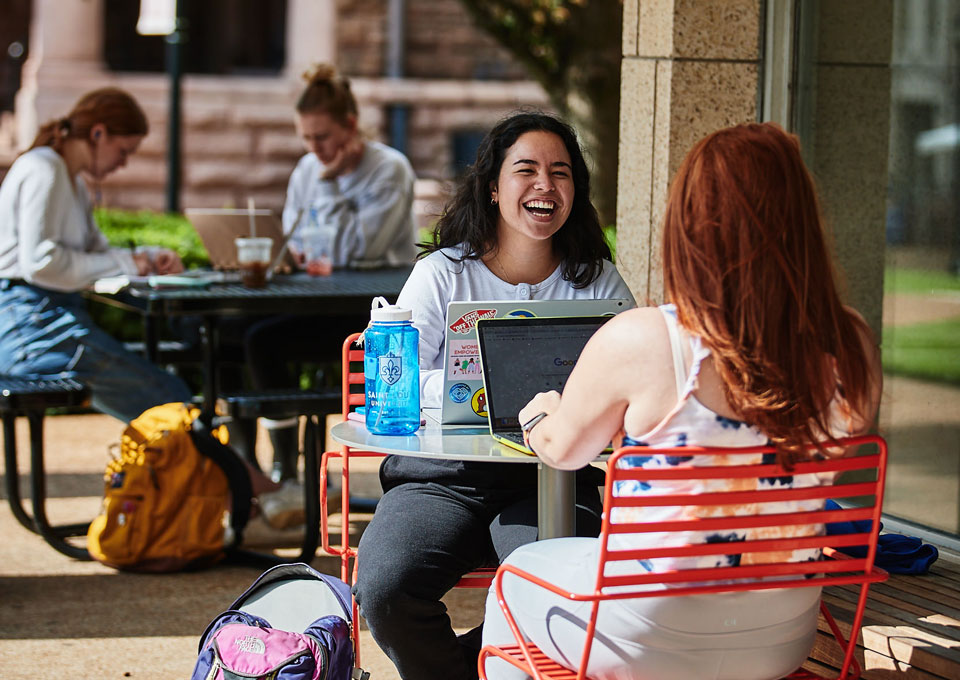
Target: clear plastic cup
(253,255)
(316,251)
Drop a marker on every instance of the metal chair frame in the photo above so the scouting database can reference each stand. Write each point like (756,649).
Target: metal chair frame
(837,569)
(351,399)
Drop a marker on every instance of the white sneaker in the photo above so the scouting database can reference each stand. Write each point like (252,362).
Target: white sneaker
(259,534)
(283,508)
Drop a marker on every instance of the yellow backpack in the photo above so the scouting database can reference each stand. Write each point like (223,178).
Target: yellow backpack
(166,494)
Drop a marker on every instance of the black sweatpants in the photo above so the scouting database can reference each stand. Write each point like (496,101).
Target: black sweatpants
(423,537)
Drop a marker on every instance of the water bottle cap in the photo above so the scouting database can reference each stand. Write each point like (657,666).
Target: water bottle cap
(381,311)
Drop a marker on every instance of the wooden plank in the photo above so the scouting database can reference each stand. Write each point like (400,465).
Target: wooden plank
(883,615)
(889,636)
(908,608)
(890,611)
(826,659)
(920,586)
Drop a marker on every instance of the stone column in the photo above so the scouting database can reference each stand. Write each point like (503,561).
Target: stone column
(846,138)
(66,50)
(311,34)
(689,67)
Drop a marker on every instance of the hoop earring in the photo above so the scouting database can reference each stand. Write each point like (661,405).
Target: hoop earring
(493,201)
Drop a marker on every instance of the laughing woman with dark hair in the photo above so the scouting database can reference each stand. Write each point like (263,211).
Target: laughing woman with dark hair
(520,227)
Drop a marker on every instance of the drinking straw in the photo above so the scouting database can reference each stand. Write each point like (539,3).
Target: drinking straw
(253,222)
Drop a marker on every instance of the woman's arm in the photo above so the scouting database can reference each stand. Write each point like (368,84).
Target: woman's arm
(625,374)
(48,209)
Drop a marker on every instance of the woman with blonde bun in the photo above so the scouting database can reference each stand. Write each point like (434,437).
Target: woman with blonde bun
(352,198)
(50,249)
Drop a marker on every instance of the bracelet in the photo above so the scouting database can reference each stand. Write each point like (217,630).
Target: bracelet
(528,426)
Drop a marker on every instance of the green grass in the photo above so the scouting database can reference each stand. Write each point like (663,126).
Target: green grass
(898,280)
(928,351)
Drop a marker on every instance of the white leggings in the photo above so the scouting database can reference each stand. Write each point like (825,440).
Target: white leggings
(758,635)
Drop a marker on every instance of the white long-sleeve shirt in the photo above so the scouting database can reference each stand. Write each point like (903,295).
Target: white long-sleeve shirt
(47,233)
(437,280)
(366,214)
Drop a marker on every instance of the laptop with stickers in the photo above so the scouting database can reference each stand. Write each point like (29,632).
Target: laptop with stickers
(464,397)
(522,357)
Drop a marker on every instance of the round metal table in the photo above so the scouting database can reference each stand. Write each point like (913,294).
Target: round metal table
(556,495)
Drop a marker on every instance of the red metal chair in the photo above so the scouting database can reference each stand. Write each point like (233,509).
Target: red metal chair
(352,396)
(836,569)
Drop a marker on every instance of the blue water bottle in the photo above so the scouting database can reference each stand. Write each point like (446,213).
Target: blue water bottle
(391,370)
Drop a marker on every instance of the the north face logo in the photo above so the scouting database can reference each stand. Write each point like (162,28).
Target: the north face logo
(251,645)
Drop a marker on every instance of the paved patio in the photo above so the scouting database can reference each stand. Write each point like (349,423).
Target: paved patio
(60,617)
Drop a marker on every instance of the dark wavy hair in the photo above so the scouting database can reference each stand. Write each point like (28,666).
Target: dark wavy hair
(470,219)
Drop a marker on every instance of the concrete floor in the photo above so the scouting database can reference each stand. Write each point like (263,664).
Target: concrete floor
(63,618)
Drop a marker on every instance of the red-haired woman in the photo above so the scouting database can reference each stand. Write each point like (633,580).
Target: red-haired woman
(754,347)
(50,249)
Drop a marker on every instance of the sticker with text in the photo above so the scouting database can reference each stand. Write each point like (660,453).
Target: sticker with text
(464,360)
(468,321)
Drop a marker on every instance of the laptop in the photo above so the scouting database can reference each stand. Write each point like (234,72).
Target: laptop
(464,396)
(218,228)
(522,357)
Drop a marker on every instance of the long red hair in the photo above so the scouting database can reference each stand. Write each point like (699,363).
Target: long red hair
(746,263)
(116,109)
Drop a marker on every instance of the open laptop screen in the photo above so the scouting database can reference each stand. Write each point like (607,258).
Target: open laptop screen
(522,357)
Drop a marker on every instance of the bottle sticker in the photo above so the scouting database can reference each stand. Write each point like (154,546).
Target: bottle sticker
(459,393)
(390,368)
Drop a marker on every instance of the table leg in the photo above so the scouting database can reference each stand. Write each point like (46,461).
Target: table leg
(151,342)
(556,502)
(208,342)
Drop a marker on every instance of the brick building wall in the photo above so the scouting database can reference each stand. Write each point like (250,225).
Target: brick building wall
(238,138)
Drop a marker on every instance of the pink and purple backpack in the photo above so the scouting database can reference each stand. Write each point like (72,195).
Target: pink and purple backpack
(293,623)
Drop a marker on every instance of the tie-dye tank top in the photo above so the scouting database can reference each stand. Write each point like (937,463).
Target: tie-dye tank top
(691,423)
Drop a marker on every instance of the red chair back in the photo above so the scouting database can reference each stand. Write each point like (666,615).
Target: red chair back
(740,491)
(353,395)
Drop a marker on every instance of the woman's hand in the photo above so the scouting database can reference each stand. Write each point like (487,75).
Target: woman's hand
(142,261)
(347,159)
(545,402)
(166,261)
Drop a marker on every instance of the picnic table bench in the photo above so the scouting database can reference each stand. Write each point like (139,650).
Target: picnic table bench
(911,627)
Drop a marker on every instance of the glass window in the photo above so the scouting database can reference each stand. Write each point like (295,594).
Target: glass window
(920,416)
(238,37)
(920,410)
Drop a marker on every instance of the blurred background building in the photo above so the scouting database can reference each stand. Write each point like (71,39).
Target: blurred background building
(871,87)
(430,85)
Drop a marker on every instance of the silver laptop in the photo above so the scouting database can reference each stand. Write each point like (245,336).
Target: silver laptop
(522,357)
(464,400)
(217,229)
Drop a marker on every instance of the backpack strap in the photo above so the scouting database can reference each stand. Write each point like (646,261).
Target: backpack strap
(238,477)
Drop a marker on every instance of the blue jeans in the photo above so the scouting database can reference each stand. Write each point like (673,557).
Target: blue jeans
(46,334)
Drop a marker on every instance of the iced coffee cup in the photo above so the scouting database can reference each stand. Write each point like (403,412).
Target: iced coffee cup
(316,251)
(253,255)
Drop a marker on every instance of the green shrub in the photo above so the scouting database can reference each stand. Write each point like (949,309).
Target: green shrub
(126,229)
